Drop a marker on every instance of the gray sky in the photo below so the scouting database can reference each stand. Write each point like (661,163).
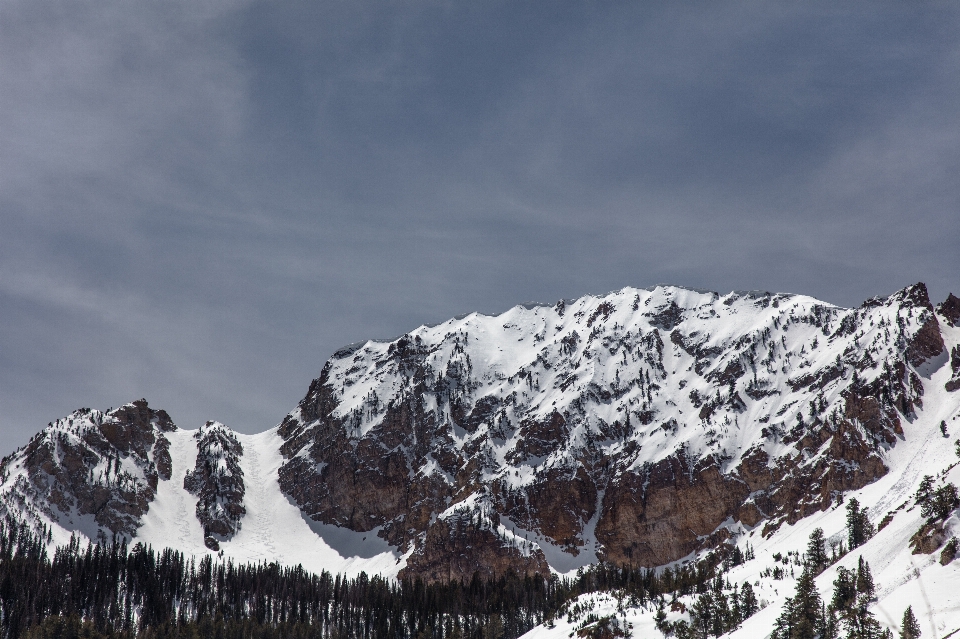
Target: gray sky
(200,201)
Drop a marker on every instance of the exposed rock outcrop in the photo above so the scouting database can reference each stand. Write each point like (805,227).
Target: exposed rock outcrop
(634,428)
(217,481)
(949,310)
(611,426)
(92,470)
(928,539)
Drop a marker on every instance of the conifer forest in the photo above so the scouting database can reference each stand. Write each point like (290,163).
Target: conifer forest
(109,590)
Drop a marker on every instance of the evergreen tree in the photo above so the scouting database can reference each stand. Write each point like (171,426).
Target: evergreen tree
(703,615)
(924,491)
(808,608)
(803,616)
(660,620)
(865,584)
(945,501)
(831,628)
(817,558)
(748,601)
(853,593)
(493,629)
(861,624)
(859,528)
(844,590)
(783,626)
(909,628)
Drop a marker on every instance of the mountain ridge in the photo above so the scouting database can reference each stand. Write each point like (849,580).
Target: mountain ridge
(637,427)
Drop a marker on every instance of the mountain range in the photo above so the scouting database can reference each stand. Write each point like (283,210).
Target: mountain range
(645,427)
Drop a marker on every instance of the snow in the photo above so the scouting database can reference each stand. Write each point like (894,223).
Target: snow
(550,357)
(273,530)
(902,578)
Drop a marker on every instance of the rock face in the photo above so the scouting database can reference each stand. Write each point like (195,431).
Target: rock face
(636,427)
(93,471)
(949,310)
(218,483)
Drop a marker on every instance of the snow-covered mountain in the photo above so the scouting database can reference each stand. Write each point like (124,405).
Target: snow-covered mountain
(641,427)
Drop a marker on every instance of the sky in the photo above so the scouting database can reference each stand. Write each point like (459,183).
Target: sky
(201,201)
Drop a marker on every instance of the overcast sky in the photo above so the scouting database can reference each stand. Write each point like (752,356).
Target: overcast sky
(200,201)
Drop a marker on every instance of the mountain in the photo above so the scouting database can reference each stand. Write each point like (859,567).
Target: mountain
(642,427)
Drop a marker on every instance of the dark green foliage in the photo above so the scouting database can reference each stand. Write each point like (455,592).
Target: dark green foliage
(748,601)
(714,612)
(924,491)
(844,589)
(943,502)
(859,528)
(849,609)
(71,627)
(106,591)
(803,615)
(817,558)
(660,621)
(865,584)
(909,628)
(936,504)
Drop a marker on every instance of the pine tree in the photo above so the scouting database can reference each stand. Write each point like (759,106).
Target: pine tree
(783,626)
(802,616)
(865,584)
(853,593)
(909,628)
(844,590)
(924,491)
(859,528)
(808,609)
(945,501)
(817,558)
(831,628)
(748,601)
(703,615)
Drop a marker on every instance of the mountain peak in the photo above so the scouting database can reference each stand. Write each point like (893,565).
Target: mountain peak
(637,427)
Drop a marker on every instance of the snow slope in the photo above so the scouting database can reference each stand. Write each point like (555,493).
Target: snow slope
(902,578)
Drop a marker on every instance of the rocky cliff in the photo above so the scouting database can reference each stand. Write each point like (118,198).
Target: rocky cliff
(217,482)
(636,427)
(91,471)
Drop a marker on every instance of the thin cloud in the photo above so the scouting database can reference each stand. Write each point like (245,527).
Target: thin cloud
(199,202)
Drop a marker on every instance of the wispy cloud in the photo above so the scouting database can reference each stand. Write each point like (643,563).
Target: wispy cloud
(200,201)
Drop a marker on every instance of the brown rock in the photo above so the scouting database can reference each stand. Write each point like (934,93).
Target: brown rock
(456,550)
(949,552)
(219,487)
(954,383)
(928,538)
(949,310)
(77,466)
(558,505)
(661,514)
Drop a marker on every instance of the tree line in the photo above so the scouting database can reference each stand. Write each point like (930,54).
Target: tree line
(106,590)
